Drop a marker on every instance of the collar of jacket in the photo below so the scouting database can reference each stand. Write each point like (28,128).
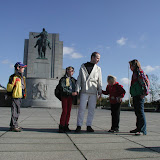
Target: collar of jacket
(93,70)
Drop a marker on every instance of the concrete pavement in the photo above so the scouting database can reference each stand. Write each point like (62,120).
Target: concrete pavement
(40,139)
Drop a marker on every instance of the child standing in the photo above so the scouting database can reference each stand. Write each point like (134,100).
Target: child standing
(67,83)
(16,88)
(116,93)
(138,90)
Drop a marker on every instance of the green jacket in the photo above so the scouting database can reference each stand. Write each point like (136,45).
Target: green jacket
(136,89)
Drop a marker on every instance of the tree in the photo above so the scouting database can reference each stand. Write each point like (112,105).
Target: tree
(104,101)
(154,86)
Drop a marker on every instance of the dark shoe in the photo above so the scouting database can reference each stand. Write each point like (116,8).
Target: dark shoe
(78,129)
(89,129)
(111,131)
(15,129)
(67,128)
(61,129)
(134,131)
(116,130)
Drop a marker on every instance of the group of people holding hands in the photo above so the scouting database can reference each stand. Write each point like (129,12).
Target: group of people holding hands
(88,85)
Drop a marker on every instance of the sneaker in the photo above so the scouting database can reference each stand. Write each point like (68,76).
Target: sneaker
(138,133)
(78,129)
(134,131)
(15,129)
(89,129)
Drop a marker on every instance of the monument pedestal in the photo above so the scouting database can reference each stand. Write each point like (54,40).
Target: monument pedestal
(40,93)
(43,74)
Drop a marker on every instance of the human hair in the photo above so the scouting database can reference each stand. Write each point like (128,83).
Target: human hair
(43,29)
(69,68)
(94,54)
(15,66)
(135,63)
(111,78)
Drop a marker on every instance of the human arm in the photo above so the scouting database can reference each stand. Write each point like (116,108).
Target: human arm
(106,92)
(100,82)
(79,81)
(121,92)
(12,82)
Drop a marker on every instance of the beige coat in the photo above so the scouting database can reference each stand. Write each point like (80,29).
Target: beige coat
(89,83)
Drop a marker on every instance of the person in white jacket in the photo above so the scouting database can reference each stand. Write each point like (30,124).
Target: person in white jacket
(89,84)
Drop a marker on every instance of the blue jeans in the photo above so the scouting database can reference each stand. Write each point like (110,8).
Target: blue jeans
(138,103)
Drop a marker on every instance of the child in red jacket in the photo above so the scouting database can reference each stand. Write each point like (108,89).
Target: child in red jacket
(116,93)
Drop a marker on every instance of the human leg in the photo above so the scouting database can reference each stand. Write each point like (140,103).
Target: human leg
(82,107)
(15,112)
(115,113)
(91,108)
(139,112)
(64,111)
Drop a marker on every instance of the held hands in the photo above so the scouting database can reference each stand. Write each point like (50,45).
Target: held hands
(74,94)
(99,95)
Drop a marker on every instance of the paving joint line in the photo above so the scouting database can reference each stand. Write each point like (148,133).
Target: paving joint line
(71,140)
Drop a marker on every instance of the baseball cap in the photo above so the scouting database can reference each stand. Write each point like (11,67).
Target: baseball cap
(20,64)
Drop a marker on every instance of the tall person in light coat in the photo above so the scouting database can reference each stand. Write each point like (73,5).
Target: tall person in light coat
(89,84)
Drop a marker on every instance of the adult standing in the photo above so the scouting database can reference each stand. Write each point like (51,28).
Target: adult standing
(89,83)
(139,89)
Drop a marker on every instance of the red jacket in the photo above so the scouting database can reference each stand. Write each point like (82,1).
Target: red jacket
(114,91)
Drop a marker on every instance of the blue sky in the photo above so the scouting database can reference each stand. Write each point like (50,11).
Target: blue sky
(120,30)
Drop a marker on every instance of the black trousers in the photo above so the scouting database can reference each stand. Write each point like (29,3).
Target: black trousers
(115,113)
(15,112)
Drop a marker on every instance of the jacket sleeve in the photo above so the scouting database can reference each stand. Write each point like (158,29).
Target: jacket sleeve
(100,81)
(79,80)
(106,92)
(121,91)
(11,83)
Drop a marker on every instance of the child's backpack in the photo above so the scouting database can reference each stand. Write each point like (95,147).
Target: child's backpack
(58,90)
(145,81)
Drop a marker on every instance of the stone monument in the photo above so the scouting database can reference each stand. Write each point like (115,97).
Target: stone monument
(44,69)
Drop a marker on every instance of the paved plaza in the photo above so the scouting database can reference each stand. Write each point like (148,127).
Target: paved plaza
(40,139)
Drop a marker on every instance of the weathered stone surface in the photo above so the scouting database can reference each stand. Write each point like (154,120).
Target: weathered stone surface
(42,75)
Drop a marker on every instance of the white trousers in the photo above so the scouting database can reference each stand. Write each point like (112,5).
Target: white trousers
(92,100)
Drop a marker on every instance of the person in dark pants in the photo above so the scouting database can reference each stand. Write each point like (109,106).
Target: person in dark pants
(116,93)
(68,84)
(16,88)
(138,90)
